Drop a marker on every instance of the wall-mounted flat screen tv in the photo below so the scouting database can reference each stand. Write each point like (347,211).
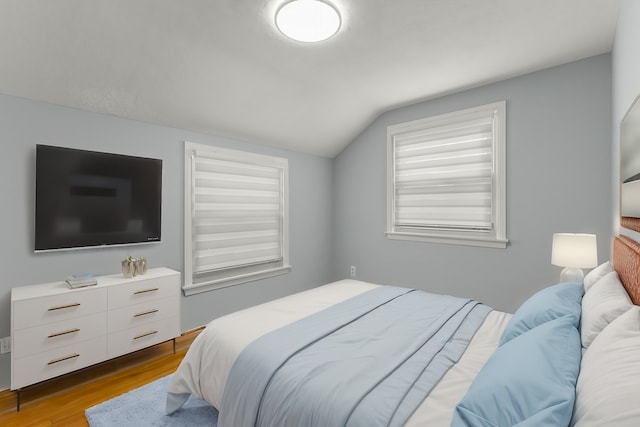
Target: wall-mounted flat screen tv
(87,199)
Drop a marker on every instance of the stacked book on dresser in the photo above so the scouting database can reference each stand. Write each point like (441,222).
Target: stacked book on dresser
(81,281)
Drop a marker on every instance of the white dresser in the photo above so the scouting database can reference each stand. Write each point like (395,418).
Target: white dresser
(56,330)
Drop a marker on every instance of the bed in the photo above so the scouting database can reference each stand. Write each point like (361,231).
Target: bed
(358,354)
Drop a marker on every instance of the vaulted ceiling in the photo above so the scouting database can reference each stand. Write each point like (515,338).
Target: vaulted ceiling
(221,67)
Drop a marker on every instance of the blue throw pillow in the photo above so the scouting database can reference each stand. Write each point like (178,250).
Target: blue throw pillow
(530,381)
(564,299)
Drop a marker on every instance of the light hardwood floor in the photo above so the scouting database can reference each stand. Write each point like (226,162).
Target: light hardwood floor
(62,401)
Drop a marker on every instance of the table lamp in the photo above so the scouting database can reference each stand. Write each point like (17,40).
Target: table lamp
(574,252)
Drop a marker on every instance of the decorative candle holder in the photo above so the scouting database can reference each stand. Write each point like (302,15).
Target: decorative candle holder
(141,266)
(128,267)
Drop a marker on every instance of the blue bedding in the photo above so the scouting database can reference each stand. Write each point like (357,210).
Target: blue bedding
(368,361)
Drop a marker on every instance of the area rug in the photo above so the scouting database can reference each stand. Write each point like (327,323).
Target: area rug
(144,407)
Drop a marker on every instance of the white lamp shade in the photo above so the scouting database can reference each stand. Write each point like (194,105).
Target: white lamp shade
(574,250)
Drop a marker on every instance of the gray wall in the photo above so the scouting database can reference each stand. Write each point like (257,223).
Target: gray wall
(24,123)
(558,180)
(626,87)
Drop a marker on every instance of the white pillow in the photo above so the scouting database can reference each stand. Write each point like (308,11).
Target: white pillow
(608,388)
(596,274)
(604,302)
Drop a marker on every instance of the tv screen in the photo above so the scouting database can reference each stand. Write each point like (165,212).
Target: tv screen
(87,199)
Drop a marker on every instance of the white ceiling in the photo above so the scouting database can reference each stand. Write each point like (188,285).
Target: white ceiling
(220,66)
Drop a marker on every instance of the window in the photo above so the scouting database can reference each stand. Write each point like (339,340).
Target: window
(446,178)
(236,227)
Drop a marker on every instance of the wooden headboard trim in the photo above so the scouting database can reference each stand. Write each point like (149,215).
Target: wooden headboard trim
(626,261)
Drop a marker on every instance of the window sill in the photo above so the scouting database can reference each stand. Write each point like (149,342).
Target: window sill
(192,289)
(452,240)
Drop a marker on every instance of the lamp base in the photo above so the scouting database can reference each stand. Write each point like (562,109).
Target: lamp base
(570,274)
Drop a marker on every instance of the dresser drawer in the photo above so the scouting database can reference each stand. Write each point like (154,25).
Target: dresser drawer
(143,290)
(143,313)
(58,334)
(56,308)
(142,336)
(49,364)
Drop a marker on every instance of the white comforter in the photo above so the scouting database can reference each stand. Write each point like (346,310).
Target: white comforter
(204,370)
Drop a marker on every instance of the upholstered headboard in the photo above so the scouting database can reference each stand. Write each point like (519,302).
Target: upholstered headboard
(626,261)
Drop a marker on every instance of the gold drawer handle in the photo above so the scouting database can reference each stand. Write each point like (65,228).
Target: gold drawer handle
(145,313)
(145,291)
(70,331)
(145,335)
(61,307)
(62,359)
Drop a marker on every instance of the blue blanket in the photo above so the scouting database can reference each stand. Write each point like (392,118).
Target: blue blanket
(368,361)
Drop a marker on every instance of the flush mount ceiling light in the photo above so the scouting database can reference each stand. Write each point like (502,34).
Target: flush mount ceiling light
(308,21)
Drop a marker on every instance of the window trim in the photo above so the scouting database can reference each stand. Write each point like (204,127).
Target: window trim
(189,288)
(498,237)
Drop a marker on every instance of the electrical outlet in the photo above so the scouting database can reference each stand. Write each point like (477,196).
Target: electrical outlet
(5,345)
(353,271)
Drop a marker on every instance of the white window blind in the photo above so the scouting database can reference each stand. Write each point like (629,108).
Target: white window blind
(237,215)
(445,178)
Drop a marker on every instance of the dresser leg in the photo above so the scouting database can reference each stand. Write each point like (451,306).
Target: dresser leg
(18,401)
(174,346)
